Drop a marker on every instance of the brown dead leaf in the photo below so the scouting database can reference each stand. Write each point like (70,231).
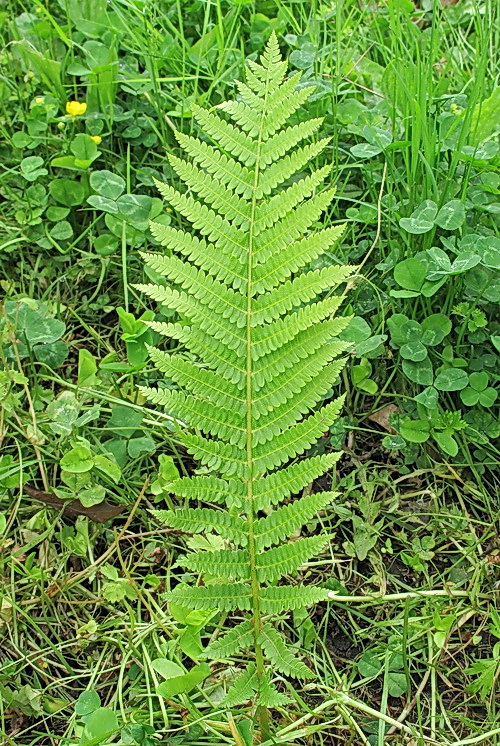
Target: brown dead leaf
(381,417)
(99,513)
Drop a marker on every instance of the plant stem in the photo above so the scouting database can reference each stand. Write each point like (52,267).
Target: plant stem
(262,711)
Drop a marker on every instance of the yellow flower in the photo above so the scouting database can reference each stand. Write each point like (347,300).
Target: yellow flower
(75,108)
(39,100)
(96,138)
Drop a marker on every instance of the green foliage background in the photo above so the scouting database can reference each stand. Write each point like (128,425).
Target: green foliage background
(411,103)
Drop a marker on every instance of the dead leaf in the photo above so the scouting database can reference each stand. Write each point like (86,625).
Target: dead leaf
(381,417)
(99,513)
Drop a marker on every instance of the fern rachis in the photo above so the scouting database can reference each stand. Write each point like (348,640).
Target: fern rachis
(262,356)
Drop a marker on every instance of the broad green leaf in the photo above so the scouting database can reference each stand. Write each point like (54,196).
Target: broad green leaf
(428,397)
(84,148)
(178,681)
(435,328)
(420,372)
(410,274)
(52,354)
(103,203)
(135,208)
(92,495)
(479,381)
(40,329)
(421,220)
(79,459)
(87,702)
(107,184)
(446,441)
(61,231)
(32,168)
(485,118)
(488,397)
(416,431)
(365,150)
(415,351)
(67,192)
(470,396)
(451,215)
(100,724)
(464,261)
(87,368)
(136,446)
(451,379)
(393,442)
(108,467)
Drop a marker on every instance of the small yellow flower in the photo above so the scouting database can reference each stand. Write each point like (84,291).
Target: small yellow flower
(39,100)
(75,108)
(96,138)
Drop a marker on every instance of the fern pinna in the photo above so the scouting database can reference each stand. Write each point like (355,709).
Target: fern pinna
(262,358)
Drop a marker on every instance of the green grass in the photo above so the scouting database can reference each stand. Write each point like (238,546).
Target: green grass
(414,517)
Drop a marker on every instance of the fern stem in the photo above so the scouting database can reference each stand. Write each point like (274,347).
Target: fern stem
(262,711)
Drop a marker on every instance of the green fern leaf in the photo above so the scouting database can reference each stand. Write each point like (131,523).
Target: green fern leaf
(273,488)
(210,489)
(223,265)
(277,598)
(225,597)
(197,380)
(286,520)
(260,351)
(198,520)
(238,639)
(281,656)
(243,688)
(270,697)
(230,564)
(275,563)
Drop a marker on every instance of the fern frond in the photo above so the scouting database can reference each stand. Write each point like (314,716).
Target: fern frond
(209,223)
(228,172)
(215,193)
(270,697)
(283,202)
(199,520)
(284,521)
(216,455)
(273,488)
(295,292)
(292,258)
(208,291)
(296,439)
(261,352)
(243,688)
(238,639)
(230,564)
(225,135)
(222,596)
(223,265)
(203,415)
(275,563)
(222,360)
(281,656)
(290,228)
(288,385)
(277,598)
(305,343)
(281,171)
(284,141)
(280,332)
(209,489)
(199,381)
(297,403)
